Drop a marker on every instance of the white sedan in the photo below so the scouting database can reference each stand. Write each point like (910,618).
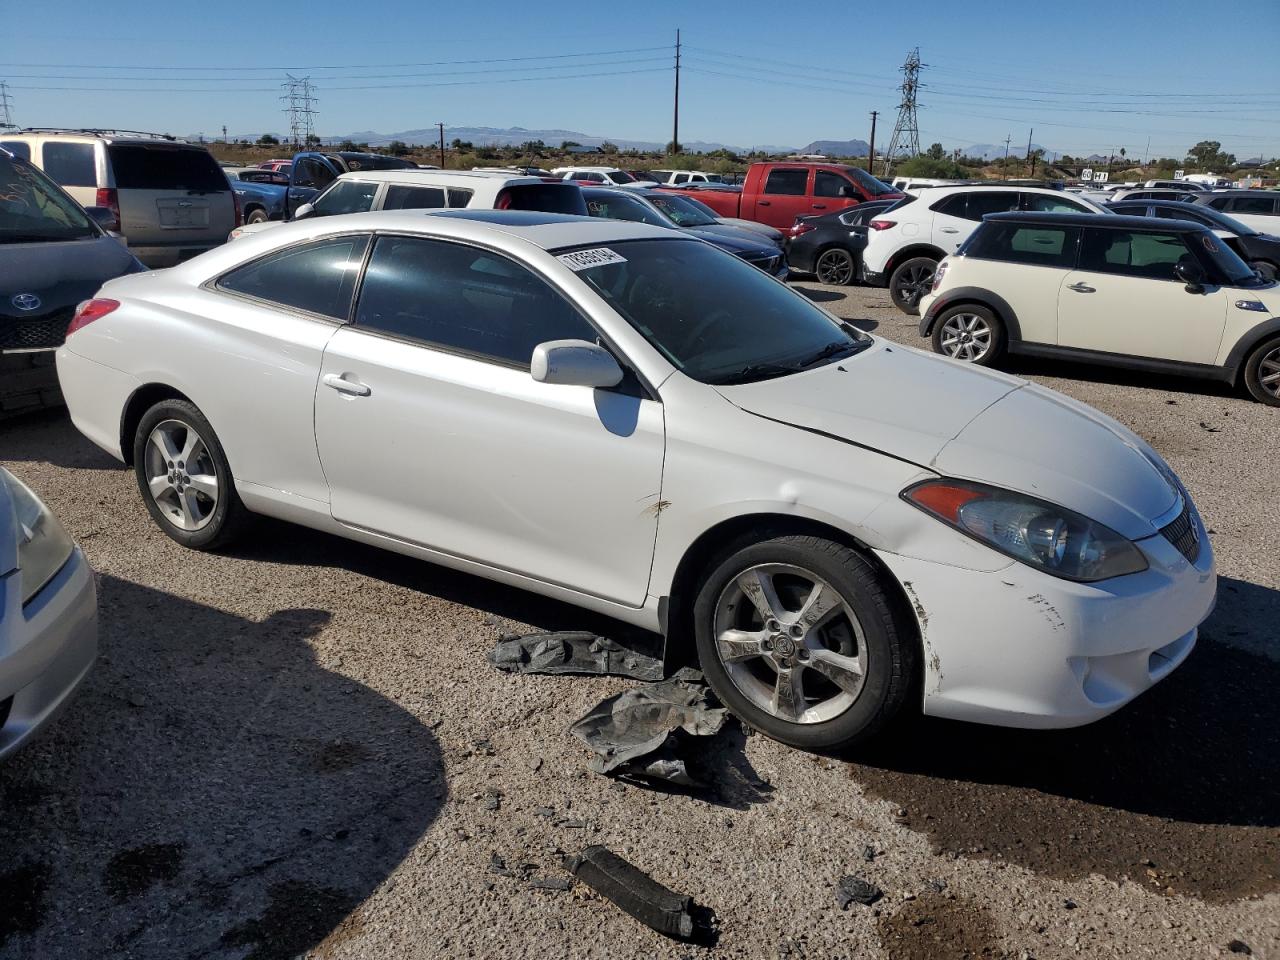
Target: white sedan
(633,421)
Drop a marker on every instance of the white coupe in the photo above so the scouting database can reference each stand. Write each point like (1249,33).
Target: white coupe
(633,421)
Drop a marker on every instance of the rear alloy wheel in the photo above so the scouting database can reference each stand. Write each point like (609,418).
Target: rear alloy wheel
(1262,373)
(184,477)
(797,636)
(969,333)
(910,281)
(835,266)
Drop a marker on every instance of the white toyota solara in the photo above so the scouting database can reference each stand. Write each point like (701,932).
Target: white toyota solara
(638,423)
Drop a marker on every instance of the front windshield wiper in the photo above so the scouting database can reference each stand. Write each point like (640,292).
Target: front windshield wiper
(756,371)
(831,350)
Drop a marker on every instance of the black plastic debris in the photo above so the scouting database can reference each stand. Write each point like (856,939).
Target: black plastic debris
(635,732)
(1239,946)
(851,889)
(570,651)
(639,895)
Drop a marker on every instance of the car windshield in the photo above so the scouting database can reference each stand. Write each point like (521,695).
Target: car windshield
(34,209)
(620,176)
(715,317)
(700,206)
(682,211)
(873,186)
(612,205)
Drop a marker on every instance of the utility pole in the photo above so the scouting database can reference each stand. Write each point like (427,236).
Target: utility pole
(675,121)
(224,133)
(6,107)
(871,147)
(1030,168)
(1146,154)
(1004,166)
(906,132)
(441,126)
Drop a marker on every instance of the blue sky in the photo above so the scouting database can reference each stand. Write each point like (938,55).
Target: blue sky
(1096,78)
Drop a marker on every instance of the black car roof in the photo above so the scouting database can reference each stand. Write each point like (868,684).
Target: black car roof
(1114,220)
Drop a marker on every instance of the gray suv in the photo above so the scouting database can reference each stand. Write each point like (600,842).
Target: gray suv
(169,198)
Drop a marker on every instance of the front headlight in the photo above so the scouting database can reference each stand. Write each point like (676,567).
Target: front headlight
(43,545)
(1041,534)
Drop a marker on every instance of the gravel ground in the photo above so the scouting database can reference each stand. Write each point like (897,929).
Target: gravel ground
(297,748)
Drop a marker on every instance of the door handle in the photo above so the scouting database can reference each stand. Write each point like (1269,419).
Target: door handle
(1081,288)
(763,203)
(948,230)
(340,383)
(819,206)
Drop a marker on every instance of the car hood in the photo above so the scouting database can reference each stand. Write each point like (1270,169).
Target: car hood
(60,273)
(751,238)
(974,424)
(898,401)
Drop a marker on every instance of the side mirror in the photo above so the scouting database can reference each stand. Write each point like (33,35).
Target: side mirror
(1192,274)
(104,217)
(575,363)
(304,211)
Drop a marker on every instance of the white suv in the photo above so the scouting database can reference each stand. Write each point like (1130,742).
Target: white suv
(906,242)
(369,190)
(603,176)
(1162,295)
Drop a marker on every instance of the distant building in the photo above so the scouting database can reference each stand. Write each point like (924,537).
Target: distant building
(581,150)
(811,157)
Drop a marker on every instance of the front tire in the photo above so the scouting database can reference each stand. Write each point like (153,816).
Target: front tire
(910,281)
(835,266)
(184,477)
(797,635)
(1262,373)
(969,333)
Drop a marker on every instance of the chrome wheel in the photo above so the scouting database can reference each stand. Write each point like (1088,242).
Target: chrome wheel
(966,336)
(1269,372)
(181,476)
(835,267)
(790,643)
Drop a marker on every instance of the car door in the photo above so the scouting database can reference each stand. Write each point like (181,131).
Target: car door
(432,431)
(978,203)
(783,196)
(309,176)
(1125,298)
(951,226)
(1026,264)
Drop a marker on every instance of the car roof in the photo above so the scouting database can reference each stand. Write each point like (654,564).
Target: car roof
(1113,220)
(1240,192)
(438,176)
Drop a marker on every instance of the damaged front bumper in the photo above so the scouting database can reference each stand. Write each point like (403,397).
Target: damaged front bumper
(1020,648)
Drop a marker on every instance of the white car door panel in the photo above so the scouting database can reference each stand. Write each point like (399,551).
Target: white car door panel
(432,430)
(1129,307)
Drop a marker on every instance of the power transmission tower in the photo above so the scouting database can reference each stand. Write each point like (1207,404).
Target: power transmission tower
(299,100)
(906,132)
(6,107)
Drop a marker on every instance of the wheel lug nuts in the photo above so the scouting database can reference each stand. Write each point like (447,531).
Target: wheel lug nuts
(771,624)
(796,630)
(802,654)
(768,644)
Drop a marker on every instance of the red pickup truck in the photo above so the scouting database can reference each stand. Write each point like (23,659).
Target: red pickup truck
(777,193)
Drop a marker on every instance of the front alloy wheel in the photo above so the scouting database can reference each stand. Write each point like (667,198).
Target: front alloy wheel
(966,336)
(799,637)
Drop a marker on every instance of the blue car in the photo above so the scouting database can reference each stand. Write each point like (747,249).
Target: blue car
(260,193)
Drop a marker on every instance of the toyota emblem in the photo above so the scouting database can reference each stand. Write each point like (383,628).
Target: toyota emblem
(25,301)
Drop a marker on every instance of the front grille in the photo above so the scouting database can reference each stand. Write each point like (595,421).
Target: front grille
(35,333)
(1182,533)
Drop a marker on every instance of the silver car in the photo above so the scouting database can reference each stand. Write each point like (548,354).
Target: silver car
(48,615)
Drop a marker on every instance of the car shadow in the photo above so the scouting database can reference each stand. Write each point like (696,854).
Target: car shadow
(822,296)
(27,438)
(212,790)
(1178,790)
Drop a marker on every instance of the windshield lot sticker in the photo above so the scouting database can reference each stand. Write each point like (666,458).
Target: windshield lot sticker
(586,259)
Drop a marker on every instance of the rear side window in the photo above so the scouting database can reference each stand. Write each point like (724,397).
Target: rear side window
(982,202)
(1027,243)
(787,182)
(414,198)
(1151,255)
(542,197)
(71,164)
(463,300)
(1164,213)
(346,196)
(680,178)
(1046,203)
(18,148)
(1219,203)
(315,277)
(952,206)
(165,168)
(459,197)
(1253,205)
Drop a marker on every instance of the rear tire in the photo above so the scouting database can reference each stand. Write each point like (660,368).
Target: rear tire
(256,215)
(969,333)
(184,477)
(1262,372)
(835,266)
(910,281)
(830,666)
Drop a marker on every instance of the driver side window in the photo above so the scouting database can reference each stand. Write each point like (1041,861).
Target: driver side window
(828,184)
